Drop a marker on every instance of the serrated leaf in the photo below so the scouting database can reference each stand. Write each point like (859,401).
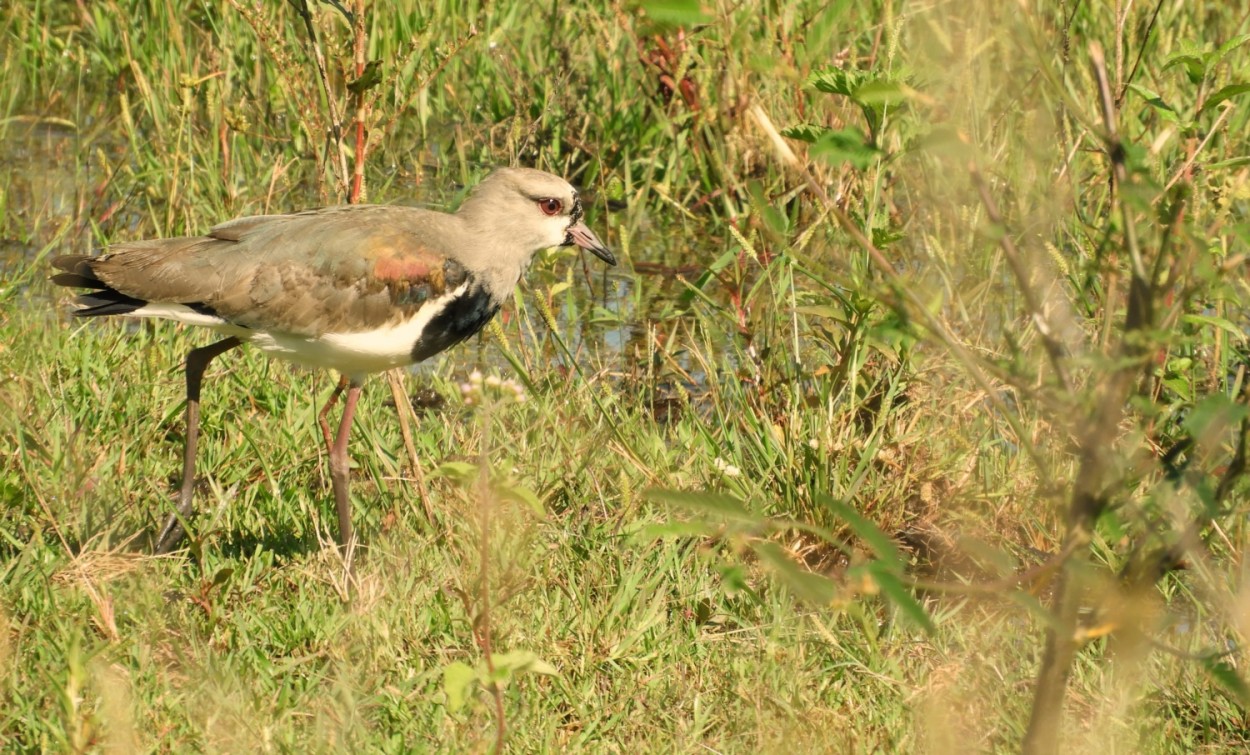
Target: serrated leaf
(883,237)
(1224,93)
(721,505)
(804,132)
(877,541)
(835,80)
(457,678)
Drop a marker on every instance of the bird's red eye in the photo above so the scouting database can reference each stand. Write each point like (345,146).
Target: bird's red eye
(550,206)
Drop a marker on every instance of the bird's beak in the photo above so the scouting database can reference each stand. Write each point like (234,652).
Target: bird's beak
(581,235)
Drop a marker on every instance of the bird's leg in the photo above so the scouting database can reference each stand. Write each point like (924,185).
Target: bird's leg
(325,411)
(340,469)
(197,362)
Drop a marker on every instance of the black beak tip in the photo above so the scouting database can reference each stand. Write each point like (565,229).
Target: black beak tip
(602,253)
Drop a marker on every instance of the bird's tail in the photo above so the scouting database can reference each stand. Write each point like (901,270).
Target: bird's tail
(102,299)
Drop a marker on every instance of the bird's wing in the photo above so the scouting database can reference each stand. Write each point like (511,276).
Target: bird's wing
(335,270)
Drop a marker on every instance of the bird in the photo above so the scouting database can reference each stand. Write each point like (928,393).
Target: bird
(357,289)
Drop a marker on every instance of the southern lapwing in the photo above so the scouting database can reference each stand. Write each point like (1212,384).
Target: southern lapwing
(355,288)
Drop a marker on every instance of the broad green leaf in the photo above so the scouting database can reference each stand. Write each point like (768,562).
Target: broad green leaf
(675,529)
(901,596)
(881,92)
(1155,101)
(516,662)
(804,132)
(848,145)
(676,12)
(1224,93)
(523,495)
(822,310)
(1214,413)
(457,678)
(1223,50)
(1179,386)
(717,504)
(1194,63)
(1228,678)
(457,470)
(1232,162)
(807,585)
(876,540)
(835,81)
(1215,322)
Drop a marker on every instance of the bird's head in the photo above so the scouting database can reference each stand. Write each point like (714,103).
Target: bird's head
(532,210)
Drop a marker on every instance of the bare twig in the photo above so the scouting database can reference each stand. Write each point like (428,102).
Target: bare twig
(1090,495)
(336,120)
(1054,350)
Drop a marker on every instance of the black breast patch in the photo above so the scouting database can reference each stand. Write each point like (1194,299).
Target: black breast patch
(461,318)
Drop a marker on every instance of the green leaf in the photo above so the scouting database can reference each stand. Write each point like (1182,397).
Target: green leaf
(849,145)
(822,310)
(804,132)
(883,237)
(676,12)
(1155,101)
(876,540)
(521,494)
(1215,322)
(1224,93)
(1214,414)
(675,529)
(1194,63)
(880,92)
(1223,50)
(461,471)
(371,77)
(900,596)
(517,662)
(457,678)
(720,505)
(1227,677)
(222,576)
(835,81)
(806,585)
(1179,386)
(1232,162)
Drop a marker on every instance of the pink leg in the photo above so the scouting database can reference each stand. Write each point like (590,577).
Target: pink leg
(340,468)
(197,362)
